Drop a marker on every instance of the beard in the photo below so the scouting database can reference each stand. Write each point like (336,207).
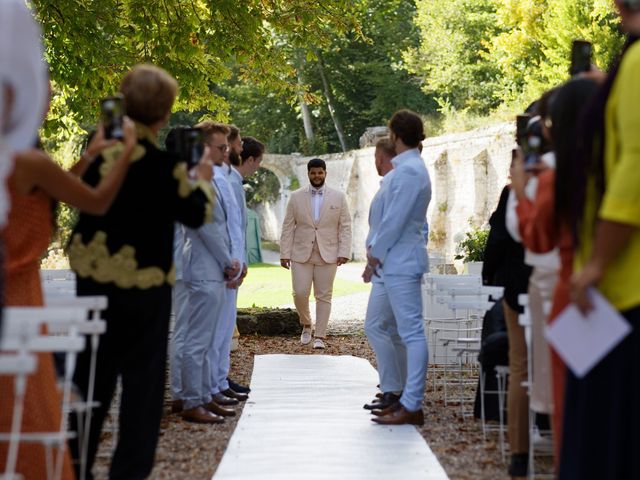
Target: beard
(317,183)
(234,158)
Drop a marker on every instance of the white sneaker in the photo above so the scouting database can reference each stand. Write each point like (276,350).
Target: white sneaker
(305,338)
(318,343)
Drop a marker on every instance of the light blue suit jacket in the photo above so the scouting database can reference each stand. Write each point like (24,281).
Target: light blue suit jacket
(207,250)
(398,241)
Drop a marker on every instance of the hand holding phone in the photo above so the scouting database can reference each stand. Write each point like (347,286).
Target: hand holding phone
(581,52)
(112,113)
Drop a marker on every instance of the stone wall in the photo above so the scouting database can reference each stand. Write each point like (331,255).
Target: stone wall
(468,171)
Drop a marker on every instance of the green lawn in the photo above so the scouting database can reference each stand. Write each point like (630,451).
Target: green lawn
(270,286)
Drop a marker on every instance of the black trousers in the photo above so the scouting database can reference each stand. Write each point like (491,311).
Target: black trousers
(135,348)
(601,439)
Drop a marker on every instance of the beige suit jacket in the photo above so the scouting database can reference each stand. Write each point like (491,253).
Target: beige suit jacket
(332,231)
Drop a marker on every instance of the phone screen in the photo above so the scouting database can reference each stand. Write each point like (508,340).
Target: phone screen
(580,57)
(522,121)
(112,112)
(192,146)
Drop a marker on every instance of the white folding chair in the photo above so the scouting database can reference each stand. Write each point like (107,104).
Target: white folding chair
(93,328)
(23,327)
(18,364)
(502,374)
(540,443)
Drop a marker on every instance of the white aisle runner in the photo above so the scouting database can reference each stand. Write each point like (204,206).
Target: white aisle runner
(304,420)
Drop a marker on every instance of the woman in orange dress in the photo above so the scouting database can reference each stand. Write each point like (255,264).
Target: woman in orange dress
(545,222)
(34,183)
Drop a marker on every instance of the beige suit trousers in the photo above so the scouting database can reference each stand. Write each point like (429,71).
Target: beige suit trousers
(321,274)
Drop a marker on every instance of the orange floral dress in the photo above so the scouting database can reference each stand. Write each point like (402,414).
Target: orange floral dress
(26,238)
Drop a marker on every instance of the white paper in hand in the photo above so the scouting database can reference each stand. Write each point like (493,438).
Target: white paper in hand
(583,341)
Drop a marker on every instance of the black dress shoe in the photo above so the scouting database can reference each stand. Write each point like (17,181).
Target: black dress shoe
(222,399)
(241,397)
(236,387)
(387,399)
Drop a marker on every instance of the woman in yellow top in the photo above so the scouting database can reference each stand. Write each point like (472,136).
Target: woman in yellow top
(602,417)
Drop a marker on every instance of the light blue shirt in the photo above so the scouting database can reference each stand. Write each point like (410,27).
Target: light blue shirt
(232,211)
(235,181)
(398,220)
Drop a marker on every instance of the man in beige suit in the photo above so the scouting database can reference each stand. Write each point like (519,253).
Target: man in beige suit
(315,240)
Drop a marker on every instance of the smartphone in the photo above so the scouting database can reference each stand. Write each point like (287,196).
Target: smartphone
(514,156)
(522,122)
(192,146)
(581,52)
(112,113)
(187,143)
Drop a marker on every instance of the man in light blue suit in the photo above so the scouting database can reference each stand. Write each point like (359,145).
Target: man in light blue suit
(399,251)
(379,324)
(219,353)
(207,264)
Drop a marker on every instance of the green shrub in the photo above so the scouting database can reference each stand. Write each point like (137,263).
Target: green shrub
(471,248)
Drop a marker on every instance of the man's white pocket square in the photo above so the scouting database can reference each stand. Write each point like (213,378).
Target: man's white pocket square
(334,207)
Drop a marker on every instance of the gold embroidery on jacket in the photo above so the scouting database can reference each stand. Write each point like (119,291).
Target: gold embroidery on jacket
(95,261)
(111,154)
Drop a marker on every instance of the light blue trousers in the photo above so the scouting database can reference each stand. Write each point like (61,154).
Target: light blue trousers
(220,350)
(205,301)
(180,300)
(402,295)
(382,333)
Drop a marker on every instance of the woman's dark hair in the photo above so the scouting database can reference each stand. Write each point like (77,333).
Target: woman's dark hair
(251,148)
(316,163)
(408,127)
(589,159)
(565,109)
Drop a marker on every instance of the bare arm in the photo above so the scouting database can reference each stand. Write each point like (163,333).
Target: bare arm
(34,169)
(611,239)
(96,145)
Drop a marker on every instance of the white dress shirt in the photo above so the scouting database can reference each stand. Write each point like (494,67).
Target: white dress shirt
(23,70)
(317,197)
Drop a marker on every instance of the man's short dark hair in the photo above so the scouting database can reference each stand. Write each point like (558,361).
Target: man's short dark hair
(408,127)
(251,147)
(234,132)
(316,163)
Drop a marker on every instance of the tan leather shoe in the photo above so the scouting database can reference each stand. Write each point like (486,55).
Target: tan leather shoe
(213,407)
(200,415)
(401,416)
(176,406)
(386,411)
(222,399)
(241,397)
(305,337)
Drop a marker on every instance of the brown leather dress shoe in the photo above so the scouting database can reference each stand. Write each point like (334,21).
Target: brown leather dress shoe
(387,399)
(401,416)
(200,415)
(386,411)
(221,399)
(176,406)
(241,397)
(213,407)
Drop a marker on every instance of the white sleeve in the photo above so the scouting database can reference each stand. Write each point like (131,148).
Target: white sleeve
(511,219)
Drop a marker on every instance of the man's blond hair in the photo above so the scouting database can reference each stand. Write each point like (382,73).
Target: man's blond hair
(210,127)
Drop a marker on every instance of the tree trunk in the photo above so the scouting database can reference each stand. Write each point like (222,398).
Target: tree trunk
(330,103)
(304,107)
